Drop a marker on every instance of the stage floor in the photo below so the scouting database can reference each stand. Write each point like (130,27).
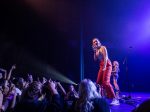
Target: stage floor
(127,105)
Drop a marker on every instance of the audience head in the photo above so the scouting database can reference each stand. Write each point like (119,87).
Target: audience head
(34,90)
(30,78)
(115,63)
(88,90)
(71,88)
(143,107)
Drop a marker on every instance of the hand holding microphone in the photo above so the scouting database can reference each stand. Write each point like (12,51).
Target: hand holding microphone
(94,47)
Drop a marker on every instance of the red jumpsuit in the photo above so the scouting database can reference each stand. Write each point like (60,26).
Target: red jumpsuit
(104,78)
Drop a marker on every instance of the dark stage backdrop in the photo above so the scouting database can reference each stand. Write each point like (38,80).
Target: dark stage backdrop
(35,33)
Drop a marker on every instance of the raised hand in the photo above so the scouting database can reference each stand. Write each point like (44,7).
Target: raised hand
(52,87)
(13,66)
(44,80)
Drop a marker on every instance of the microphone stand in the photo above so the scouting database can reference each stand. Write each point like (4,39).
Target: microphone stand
(125,62)
(128,99)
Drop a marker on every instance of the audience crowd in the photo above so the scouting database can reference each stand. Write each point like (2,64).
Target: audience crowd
(18,94)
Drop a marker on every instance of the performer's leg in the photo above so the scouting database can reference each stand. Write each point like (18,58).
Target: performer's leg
(116,87)
(99,76)
(99,81)
(106,82)
(115,100)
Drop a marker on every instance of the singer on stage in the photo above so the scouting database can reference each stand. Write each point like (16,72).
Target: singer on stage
(103,78)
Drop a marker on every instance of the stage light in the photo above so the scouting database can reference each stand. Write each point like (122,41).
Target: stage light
(52,73)
(46,70)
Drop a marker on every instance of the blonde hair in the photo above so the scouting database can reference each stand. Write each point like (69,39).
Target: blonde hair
(116,63)
(87,91)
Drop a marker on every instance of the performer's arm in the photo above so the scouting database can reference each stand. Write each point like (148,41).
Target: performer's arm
(96,54)
(114,69)
(105,56)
